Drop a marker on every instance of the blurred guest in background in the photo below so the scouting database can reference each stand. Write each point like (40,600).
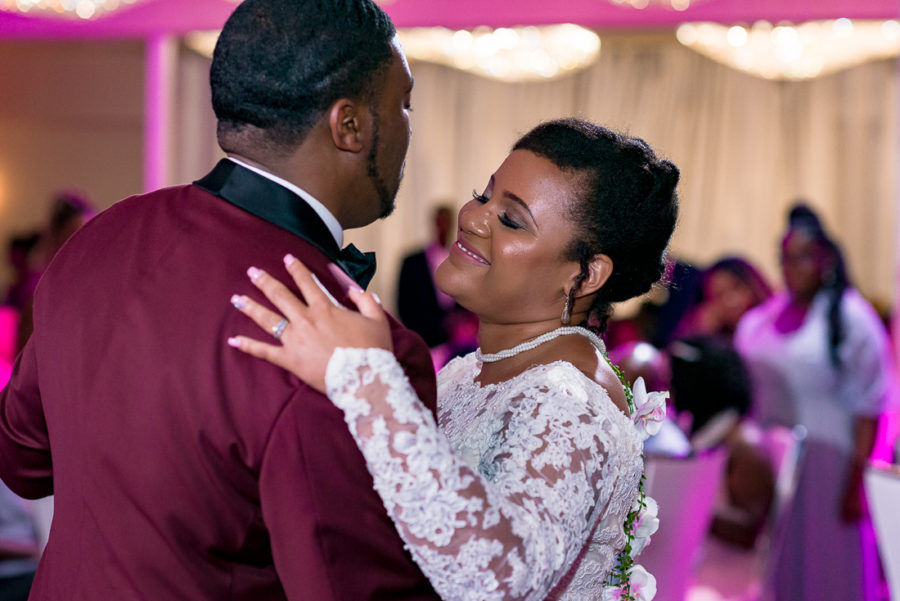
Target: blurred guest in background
(21,251)
(446,328)
(661,310)
(819,357)
(643,360)
(68,213)
(20,256)
(638,326)
(423,307)
(710,384)
(19,547)
(730,287)
(683,282)
(711,387)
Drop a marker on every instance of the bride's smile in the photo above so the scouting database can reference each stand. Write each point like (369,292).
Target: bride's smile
(468,253)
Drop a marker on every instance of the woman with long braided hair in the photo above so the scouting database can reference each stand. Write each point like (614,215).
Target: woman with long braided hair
(819,357)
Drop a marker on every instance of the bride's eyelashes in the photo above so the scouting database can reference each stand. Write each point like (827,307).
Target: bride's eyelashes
(504,218)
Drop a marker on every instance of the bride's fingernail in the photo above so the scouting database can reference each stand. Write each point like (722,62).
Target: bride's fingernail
(254,273)
(238,301)
(377,299)
(289,259)
(234,342)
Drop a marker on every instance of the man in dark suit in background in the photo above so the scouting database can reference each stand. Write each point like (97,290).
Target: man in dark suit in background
(183,470)
(448,329)
(421,306)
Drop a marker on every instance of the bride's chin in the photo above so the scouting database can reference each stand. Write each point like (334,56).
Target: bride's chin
(448,290)
(443,278)
(446,280)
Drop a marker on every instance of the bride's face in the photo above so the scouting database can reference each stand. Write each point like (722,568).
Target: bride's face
(507,264)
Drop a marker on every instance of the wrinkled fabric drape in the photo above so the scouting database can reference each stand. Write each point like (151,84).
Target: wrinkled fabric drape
(746,147)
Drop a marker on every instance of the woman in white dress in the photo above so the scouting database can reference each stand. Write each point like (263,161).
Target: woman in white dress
(524,488)
(819,357)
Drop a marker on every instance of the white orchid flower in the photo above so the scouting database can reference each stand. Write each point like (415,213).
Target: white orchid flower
(646,524)
(641,582)
(650,409)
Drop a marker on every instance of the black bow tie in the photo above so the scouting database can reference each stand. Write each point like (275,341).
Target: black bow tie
(359,265)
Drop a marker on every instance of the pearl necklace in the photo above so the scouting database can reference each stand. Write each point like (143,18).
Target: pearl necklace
(534,342)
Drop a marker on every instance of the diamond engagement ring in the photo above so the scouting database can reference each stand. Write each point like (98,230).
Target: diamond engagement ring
(279,328)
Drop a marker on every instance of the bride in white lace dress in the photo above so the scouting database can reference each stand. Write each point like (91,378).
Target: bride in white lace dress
(523,487)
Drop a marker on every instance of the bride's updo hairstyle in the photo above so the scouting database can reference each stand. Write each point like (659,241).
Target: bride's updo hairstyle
(626,207)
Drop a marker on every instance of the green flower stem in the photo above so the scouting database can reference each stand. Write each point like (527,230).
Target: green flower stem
(618,577)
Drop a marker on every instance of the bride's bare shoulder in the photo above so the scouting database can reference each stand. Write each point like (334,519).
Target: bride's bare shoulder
(607,378)
(582,354)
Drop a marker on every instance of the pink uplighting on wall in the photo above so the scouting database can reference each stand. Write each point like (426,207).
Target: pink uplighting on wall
(159,93)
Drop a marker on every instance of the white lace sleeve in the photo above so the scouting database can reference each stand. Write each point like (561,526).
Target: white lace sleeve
(512,536)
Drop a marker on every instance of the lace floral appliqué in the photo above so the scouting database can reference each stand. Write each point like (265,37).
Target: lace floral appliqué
(524,492)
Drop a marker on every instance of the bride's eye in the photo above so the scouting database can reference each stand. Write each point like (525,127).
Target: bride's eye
(505,220)
(479,197)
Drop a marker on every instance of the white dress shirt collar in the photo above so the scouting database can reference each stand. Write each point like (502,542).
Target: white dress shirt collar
(324,214)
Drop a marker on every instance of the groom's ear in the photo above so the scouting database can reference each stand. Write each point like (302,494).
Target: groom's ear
(347,122)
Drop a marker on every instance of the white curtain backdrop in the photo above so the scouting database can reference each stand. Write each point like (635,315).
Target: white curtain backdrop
(746,148)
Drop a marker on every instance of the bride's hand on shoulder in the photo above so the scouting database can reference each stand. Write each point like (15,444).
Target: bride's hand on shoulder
(308,330)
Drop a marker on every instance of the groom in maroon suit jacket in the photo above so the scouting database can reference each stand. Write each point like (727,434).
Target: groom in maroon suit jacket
(181,468)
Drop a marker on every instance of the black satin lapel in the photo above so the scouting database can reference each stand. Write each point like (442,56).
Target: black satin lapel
(270,201)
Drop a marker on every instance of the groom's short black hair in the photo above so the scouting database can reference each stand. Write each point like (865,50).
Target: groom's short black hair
(279,64)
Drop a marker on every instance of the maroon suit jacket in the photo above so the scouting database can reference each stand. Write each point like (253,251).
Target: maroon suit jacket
(183,469)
